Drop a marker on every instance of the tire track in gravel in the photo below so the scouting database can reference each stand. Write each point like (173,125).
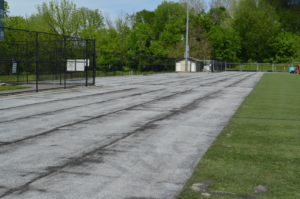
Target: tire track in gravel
(99,116)
(146,126)
(101,102)
(78,97)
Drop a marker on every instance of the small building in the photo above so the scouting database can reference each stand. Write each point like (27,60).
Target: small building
(194,65)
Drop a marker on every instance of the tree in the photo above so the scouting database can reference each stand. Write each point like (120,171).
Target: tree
(109,40)
(140,39)
(195,6)
(230,5)
(226,43)
(145,16)
(285,46)
(289,13)
(6,8)
(65,18)
(218,15)
(168,15)
(199,44)
(257,23)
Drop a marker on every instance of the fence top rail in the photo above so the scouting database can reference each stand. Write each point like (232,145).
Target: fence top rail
(135,54)
(75,47)
(32,31)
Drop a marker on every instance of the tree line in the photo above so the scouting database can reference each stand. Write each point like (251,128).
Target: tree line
(234,30)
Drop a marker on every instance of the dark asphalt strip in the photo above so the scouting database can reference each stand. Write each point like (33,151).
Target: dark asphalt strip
(188,107)
(70,98)
(65,109)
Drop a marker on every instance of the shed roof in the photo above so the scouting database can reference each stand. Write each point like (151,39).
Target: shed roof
(190,59)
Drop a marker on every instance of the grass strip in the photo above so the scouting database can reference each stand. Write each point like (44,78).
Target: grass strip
(8,88)
(259,146)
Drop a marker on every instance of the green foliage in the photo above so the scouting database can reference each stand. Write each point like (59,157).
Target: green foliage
(145,16)
(285,46)
(226,43)
(168,17)
(289,14)
(241,30)
(218,15)
(6,8)
(257,23)
(140,39)
(66,19)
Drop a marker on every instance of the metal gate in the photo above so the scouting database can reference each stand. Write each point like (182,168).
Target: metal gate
(44,61)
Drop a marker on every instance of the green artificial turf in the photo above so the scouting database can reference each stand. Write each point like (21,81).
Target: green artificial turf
(7,88)
(259,146)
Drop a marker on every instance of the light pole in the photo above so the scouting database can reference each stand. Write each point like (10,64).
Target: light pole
(187,39)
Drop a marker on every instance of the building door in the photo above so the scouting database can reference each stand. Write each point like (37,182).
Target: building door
(178,67)
(193,67)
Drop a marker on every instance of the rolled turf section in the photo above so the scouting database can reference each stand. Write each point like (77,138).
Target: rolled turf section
(259,146)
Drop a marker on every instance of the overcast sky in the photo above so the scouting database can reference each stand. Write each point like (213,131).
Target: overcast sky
(23,7)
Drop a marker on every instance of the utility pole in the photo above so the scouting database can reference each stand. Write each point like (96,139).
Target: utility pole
(187,39)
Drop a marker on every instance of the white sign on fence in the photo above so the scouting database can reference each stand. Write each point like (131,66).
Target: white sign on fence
(80,64)
(14,67)
(77,65)
(71,65)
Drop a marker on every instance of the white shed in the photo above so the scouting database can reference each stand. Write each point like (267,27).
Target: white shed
(194,65)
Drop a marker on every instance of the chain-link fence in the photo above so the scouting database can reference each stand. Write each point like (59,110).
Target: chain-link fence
(113,64)
(44,61)
(218,65)
(262,66)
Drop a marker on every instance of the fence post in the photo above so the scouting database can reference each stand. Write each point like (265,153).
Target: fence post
(27,60)
(122,63)
(17,62)
(37,62)
(114,66)
(104,64)
(94,63)
(65,52)
(55,63)
(135,65)
(86,67)
(60,57)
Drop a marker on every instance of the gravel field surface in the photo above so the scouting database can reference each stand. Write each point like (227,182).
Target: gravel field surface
(135,137)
